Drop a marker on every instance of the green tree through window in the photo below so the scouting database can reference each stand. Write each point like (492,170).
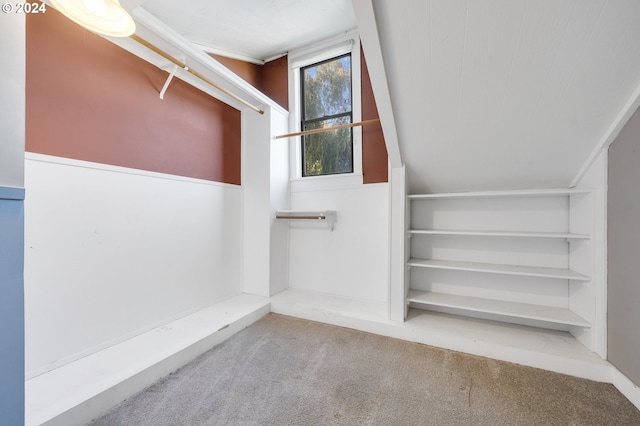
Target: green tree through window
(326,102)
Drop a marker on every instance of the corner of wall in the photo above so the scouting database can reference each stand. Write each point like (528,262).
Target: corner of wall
(12,119)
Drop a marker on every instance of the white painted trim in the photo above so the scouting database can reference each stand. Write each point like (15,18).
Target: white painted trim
(31,156)
(323,49)
(368,28)
(214,51)
(397,244)
(630,390)
(610,135)
(326,183)
(11,193)
(335,46)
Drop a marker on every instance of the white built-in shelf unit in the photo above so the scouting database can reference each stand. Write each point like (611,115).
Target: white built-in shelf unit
(512,256)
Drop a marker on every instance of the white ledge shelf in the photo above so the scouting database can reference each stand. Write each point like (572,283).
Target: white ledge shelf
(513,234)
(495,194)
(328,216)
(498,307)
(528,271)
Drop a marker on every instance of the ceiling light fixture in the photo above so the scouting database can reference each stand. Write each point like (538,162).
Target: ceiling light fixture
(105,17)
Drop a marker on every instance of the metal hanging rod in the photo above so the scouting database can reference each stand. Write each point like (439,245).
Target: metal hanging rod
(196,73)
(327,129)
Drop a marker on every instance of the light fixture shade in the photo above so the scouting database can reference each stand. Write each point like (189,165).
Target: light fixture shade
(101,16)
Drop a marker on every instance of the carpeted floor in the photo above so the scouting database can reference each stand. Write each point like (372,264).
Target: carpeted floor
(288,371)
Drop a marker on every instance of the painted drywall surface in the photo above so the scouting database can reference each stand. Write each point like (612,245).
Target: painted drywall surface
(12,86)
(375,161)
(249,72)
(256,202)
(12,100)
(279,200)
(111,252)
(489,95)
(353,260)
(11,312)
(623,215)
(270,78)
(90,100)
(275,81)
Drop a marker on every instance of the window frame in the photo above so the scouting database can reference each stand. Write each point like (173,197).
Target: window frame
(314,54)
(303,122)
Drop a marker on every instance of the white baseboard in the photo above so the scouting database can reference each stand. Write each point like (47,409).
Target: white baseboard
(626,387)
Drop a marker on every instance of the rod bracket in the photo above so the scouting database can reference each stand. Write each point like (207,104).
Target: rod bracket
(166,83)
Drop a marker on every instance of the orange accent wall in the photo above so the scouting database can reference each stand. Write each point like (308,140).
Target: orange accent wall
(251,73)
(271,78)
(275,81)
(88,99)
(374,151)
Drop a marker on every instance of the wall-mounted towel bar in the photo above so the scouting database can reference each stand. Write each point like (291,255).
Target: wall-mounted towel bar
(329,216)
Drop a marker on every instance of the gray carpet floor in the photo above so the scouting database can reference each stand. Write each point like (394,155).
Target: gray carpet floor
(288,371)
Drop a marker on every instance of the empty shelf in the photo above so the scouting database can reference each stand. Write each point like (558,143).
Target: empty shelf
(499,307)
(494,194)
(529,271)
(517,234)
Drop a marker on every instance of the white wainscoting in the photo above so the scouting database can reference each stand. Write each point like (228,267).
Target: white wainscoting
(112,252)
(350,261)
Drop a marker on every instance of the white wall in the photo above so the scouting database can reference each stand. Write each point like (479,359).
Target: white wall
(111,252)
(265,183)
(12,94)
(353,260)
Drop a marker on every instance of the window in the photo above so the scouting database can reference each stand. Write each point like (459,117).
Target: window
(329,96)
(326,101)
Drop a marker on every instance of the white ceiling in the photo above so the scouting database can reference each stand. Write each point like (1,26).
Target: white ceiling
(254,29)
(505,94)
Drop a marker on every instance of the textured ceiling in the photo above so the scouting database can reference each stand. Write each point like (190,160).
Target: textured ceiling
(256,29)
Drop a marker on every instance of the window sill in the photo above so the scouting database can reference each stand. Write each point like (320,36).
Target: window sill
(324,183)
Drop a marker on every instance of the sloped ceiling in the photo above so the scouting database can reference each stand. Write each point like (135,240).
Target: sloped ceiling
(505,94)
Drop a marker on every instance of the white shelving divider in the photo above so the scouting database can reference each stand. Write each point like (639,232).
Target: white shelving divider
(475,238)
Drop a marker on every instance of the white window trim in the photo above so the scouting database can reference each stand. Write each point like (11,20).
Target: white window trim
(327,49)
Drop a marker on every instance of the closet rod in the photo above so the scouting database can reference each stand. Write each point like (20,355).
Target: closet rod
(326,129)
(196,73)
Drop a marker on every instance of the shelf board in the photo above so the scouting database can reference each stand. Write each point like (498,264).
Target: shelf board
(498,307)
(495,194)
(529,271)
(516,234)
